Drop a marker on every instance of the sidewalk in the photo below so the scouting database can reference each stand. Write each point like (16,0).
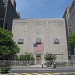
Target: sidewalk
(35,67)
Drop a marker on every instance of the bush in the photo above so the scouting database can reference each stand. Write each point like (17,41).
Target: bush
(26,57)
(50,56)
(5,70)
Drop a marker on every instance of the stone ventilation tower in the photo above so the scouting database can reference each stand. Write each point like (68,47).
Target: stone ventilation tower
(13,3)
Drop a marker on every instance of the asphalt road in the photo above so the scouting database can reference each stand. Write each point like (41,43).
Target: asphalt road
(44,71)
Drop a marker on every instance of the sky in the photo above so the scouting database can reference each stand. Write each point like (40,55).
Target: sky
(42,8)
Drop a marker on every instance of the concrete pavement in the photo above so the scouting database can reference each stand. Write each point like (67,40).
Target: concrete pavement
(36,67)
(38,70)
(43,71)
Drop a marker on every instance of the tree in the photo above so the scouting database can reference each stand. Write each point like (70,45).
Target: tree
(72,43)
(50,56)
(72,40)
(7,46)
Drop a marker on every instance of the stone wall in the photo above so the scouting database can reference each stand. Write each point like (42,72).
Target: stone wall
(46,29)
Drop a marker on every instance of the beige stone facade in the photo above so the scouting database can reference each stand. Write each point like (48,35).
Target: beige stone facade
(27,31)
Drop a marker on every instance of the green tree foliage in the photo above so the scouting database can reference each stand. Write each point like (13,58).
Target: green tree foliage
(7,45)
(26,57)
(72,40)
(50,56)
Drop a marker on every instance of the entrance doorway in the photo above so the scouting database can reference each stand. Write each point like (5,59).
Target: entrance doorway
(38,59)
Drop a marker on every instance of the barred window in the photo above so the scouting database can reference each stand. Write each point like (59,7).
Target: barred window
(56,40)
(20,40)
(38,40)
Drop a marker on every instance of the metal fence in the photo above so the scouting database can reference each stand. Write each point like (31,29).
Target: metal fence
(15,63)
(72,60)
(61,63)
(28,63)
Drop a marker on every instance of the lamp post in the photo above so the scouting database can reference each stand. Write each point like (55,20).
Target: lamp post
(5,15)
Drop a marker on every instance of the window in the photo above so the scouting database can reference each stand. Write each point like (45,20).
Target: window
(38,40)
(20,40)
(56,40)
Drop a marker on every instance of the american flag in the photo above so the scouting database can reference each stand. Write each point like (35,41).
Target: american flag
(38,47)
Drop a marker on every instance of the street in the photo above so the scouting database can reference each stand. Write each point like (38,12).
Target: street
(43,71)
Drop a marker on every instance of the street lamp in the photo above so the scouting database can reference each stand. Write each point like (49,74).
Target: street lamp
(5,15)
